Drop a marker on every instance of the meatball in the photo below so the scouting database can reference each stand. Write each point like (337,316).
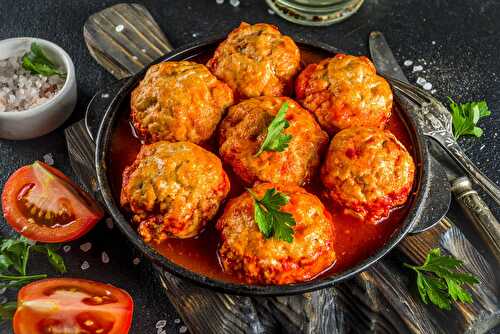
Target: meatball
(256,60)
(179,101)
(173,189)
(367,171)
(245,252)
(345,91)
(245,128)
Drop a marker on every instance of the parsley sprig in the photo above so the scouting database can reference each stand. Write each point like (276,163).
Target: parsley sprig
(271,221)
(37,62)
(14,256)
(439,282)
(465,117)
(7,310)
(275,139)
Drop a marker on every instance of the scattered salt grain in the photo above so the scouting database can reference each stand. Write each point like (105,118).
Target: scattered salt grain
(481,148)
(136,261)
(104,257)
(234,3)
(433,91)
(105,95)
(85,265)
(183,329)
(86,247)
(134,57)
(417,68)
(177,321)
(119,28)
(219,2)
(143,50)
(195,34)
(109,223)
(161,323)
(48,159)
(270,11)
(427,86)
(408,63)
(66,248)
(421,81)
(433,42)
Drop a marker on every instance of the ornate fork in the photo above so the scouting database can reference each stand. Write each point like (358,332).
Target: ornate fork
(436,121)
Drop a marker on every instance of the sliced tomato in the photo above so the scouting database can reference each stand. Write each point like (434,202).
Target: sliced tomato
(72,306)
(41,203)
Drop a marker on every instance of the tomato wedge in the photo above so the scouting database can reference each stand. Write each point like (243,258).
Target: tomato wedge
(72,306)
(41,203)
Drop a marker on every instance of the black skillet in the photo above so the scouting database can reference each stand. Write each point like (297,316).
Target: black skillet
(427,207)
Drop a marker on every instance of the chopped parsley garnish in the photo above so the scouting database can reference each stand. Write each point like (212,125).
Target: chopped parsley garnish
(275,139)
(37,62)
(271,221)
(465,117)
(440,282)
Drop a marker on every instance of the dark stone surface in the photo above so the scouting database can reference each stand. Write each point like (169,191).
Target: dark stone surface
(456,42)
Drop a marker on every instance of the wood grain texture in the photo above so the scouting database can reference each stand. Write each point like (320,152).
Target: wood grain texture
(124,39)
(382,299)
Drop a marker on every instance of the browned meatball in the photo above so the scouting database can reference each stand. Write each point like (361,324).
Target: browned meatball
(245,251)
(256,60)
(345,91)
(173,189)
(179,101)
(367,171)
(245,128)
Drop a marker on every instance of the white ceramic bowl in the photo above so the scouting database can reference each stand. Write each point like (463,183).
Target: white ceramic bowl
(44,118)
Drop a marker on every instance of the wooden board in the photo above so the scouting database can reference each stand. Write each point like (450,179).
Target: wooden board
(382,299)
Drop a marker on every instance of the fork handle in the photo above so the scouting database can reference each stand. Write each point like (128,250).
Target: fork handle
(479,214)
(482,180)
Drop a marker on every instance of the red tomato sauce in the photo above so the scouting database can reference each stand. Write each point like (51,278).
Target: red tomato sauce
(354,239)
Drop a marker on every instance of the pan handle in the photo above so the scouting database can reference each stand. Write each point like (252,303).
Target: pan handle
(438,199)
(98,106)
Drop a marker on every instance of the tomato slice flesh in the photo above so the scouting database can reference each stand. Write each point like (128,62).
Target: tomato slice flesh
(42,204)
(72,306)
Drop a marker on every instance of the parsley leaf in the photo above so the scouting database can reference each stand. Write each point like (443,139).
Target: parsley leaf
(465,117)
(14,255)
(275,139)
(271,221)
(7,310)
(55,259)
(439,282)
(37,62)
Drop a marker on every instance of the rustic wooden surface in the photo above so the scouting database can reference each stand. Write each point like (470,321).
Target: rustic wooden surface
(124,38)
(381,299)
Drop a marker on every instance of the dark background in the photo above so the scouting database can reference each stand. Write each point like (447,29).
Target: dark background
(456,41)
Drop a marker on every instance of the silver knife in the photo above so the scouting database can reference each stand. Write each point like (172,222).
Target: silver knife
(471,203)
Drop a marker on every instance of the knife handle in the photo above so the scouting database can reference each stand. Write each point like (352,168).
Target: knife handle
(479,214)
(481,180)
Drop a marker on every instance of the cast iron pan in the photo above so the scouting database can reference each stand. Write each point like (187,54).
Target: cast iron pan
(424,210)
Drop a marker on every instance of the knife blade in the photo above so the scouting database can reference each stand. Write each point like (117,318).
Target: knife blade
(471,203)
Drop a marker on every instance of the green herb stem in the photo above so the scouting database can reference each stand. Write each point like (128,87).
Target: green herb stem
(22,277)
